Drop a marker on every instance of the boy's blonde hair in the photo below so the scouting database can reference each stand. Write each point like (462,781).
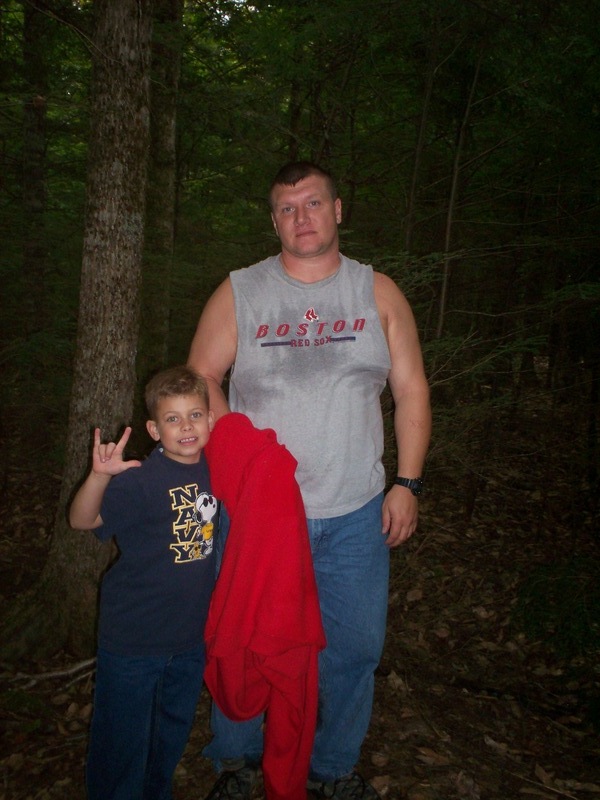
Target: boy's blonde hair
(174,382)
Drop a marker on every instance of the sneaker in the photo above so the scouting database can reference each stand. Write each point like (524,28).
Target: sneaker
(234,784)
(350,787)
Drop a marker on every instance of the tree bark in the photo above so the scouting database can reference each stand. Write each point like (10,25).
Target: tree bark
(62,611)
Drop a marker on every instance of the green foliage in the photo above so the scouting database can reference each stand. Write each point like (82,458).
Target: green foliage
(559,603)
(39,306)
(377,92)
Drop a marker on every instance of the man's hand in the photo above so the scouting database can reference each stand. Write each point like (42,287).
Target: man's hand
(107,459)
(400,515)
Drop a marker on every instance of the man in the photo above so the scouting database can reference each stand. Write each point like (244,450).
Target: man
(312,337)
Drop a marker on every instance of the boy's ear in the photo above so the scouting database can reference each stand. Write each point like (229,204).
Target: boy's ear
(152,429)
(211,420)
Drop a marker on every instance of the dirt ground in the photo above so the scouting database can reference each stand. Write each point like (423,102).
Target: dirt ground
(481,693)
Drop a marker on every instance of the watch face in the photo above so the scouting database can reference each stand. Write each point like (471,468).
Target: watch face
(417,486)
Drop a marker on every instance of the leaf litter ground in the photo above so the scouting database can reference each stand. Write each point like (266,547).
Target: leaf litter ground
(480,692)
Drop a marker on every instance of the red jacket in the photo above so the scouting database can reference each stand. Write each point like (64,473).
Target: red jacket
(264,630)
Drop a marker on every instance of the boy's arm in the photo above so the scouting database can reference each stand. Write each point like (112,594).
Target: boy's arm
(84,514)
(107,460)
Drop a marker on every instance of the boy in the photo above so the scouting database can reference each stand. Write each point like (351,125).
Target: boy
(155,598)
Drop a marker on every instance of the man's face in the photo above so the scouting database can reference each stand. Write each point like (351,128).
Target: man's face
(305,217)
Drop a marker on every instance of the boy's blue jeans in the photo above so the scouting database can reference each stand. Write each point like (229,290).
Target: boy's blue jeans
(351,563)
(143,713)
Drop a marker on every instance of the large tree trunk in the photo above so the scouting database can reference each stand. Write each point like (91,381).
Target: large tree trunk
(61,613)
(161,188)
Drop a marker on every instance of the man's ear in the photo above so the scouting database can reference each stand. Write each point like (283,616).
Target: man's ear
(338,210)
(152,429)
(274,224)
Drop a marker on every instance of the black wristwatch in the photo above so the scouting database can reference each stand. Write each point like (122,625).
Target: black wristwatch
(414,484)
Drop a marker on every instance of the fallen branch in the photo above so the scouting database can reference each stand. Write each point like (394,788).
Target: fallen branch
(545,786)
(61,673)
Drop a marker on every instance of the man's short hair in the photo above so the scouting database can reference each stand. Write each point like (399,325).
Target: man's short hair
(294,171)
(174,382)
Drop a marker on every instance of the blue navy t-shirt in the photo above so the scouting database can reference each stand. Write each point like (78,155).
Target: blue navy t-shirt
(154,599)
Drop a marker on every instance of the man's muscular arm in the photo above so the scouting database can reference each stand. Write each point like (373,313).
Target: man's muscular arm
(412,415)
(214,345)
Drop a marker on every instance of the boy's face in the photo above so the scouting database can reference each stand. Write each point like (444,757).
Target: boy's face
(183,424)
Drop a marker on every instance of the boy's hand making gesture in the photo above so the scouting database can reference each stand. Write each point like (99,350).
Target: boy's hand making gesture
(107,460)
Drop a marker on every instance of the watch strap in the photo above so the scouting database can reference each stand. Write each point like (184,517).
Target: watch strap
(414,484)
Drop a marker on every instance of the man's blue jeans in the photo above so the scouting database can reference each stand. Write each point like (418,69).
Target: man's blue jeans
(143,713)
(351,562)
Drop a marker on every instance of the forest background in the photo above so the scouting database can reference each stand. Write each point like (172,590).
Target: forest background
(137,142)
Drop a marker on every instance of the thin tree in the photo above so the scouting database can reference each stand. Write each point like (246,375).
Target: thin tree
(453,198)
(161,188)
(61,612)
(35,250)
(31,289)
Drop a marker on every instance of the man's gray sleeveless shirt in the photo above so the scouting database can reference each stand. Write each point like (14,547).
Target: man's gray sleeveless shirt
(311,363)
